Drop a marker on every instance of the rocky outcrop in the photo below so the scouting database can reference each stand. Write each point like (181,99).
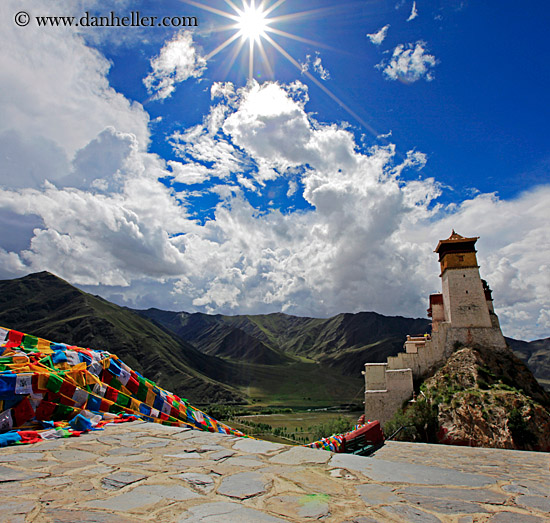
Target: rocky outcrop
(489,398)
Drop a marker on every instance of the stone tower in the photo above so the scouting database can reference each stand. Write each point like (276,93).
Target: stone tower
(462,315)
(463,294)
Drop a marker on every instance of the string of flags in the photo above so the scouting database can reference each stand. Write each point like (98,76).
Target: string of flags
(50,390)
(53,390)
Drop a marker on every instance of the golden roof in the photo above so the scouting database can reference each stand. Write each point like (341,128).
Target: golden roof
(455,238)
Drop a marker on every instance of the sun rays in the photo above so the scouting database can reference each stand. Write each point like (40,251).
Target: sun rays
(252,25)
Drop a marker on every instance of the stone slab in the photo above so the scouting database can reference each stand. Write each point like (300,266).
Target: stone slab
(222,454)
(243,485)
(256,446)
(143,496)
(85,516)
(475,495)
(121,479)
(73,456)
(290,506)
(224,512)
(392,472)
(373,494)
(447,506)
(16,507)
(408,514)
(515,489)
(299,455)
(124,451)
(9,474)
(202,482)
(537,502)
(247,463)
(184,455)
(515,517)
(20,456)
(123,460)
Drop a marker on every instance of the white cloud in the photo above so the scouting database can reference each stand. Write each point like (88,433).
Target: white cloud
(178,61)
(378,37)
(292,188)
(409,63)
(414,159)
(317,65)
(189,173)
(51,110)
(414,13)
(385,135)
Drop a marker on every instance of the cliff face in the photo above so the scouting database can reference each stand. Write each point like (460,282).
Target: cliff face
(488,398)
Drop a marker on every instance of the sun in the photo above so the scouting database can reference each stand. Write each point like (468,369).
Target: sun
(252,27)
(255,25)
(252,23)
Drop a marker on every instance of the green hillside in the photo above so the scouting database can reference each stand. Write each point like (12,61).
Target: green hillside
(244,369)
(270,359)
(46,306)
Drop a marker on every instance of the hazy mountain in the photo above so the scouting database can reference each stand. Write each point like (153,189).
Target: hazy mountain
(536,354)
(245,370)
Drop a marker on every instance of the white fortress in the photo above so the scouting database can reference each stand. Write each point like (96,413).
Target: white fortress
(462,315)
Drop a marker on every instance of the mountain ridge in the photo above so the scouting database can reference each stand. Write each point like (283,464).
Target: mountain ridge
(273,359)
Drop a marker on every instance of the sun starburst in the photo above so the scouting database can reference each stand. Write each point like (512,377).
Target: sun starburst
(253,24)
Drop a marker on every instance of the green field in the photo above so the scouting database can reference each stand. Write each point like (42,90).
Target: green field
(298,384)
(299,424)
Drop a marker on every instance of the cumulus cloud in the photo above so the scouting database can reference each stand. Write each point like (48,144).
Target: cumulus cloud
(178,61)
(414,13)
(189,173)
(378,37)
(49,110)
(409,63)
(363,240)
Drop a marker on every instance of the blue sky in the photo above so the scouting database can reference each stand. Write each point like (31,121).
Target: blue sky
(141,165)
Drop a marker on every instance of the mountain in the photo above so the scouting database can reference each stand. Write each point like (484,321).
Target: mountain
(273,359)
(246,370)
(536,354)
(344,342)
(47,306)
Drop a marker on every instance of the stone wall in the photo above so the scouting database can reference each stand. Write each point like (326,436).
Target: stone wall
(464,298)
(390,393)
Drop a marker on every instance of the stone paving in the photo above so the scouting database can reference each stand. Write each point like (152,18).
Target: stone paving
(138,471)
